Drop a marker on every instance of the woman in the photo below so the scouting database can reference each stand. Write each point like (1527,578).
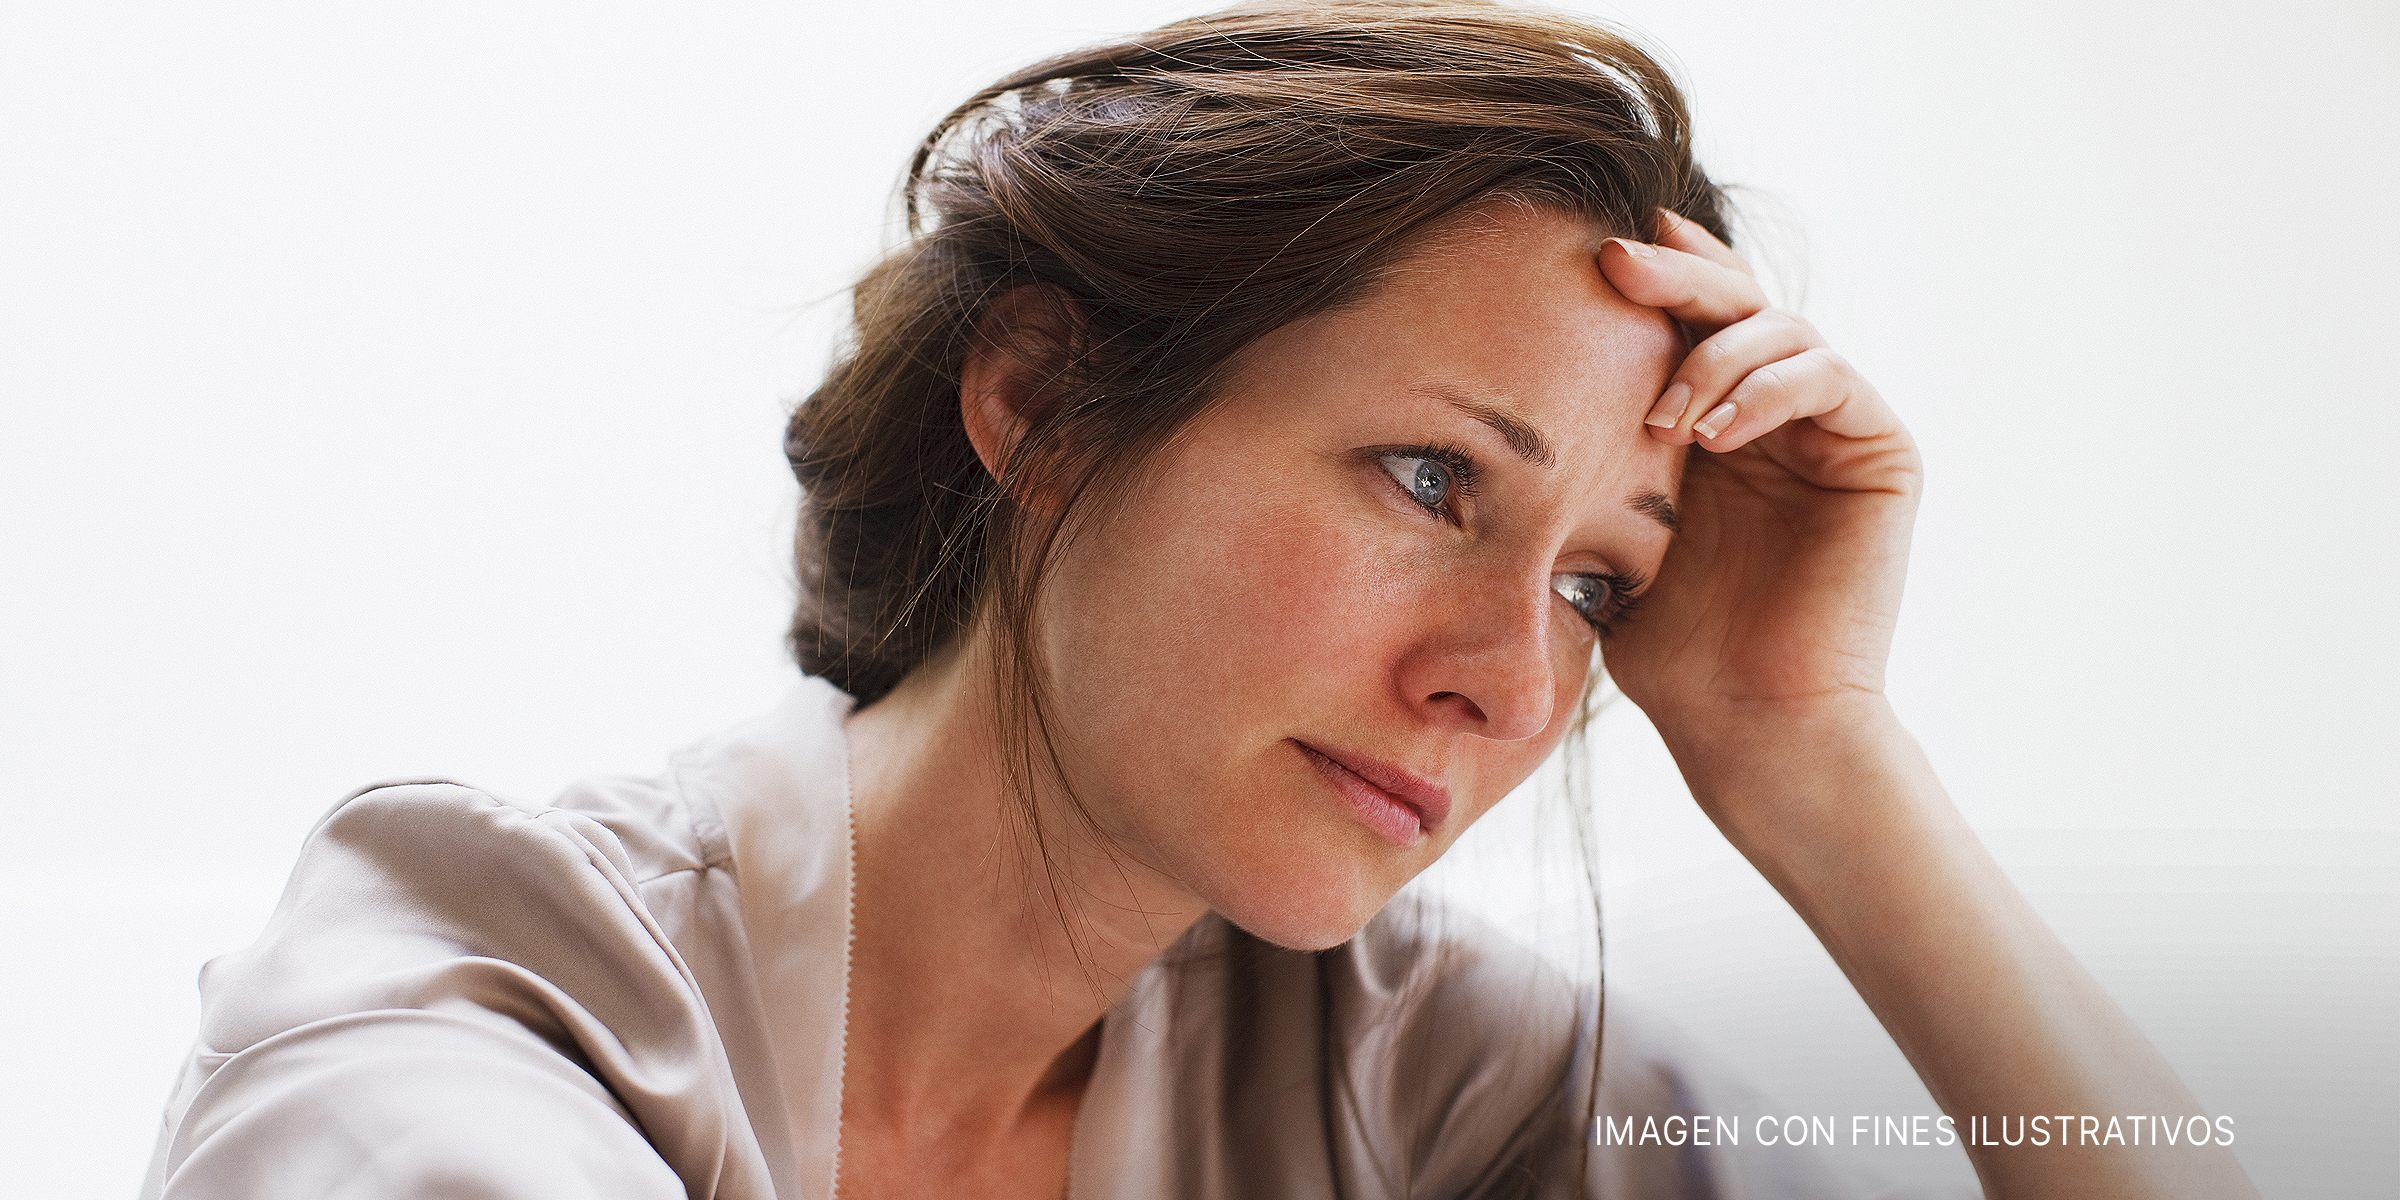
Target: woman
(1221,506)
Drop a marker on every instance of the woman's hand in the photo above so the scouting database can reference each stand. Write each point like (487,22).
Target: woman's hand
(1759,655)
(1780,592)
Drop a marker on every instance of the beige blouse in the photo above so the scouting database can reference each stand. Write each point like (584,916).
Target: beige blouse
(639,991)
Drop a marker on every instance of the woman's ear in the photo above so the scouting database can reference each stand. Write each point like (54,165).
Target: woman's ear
(1014,369)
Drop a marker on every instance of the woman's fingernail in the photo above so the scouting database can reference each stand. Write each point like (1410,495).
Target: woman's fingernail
(1669,408)
(1636,249)
(1716,421)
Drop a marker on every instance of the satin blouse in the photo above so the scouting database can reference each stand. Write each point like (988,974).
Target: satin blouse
(638,990)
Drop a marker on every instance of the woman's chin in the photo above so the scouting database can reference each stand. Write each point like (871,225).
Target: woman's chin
(1307,920)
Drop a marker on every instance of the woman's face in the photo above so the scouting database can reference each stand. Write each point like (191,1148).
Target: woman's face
(1351,605)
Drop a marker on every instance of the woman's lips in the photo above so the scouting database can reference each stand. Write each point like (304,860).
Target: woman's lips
(1397,804)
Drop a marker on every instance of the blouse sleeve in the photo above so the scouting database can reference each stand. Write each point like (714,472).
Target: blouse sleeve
(457,996)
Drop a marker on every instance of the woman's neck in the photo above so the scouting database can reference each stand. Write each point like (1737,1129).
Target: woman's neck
(972,1009)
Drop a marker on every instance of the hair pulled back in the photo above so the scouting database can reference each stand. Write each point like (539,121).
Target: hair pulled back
(1178,195)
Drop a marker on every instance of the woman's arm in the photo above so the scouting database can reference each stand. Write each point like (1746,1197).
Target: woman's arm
(1840,810)
(1759,656)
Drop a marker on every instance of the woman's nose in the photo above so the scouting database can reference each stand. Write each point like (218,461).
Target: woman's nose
(1487,667)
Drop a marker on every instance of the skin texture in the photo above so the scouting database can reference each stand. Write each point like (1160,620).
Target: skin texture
(1269,585)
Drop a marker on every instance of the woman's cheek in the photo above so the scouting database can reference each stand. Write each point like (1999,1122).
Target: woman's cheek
(1575,654)
(1240,610)
(1321,600)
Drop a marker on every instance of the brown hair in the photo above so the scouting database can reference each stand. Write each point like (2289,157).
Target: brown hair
(1183,193)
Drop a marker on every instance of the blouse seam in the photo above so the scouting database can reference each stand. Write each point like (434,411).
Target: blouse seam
(712,843)
(849,947)
(706,854)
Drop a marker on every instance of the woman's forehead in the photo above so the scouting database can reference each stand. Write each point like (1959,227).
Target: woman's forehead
(1513,263)
(1505,318)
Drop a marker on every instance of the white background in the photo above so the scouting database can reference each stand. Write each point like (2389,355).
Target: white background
(397,388)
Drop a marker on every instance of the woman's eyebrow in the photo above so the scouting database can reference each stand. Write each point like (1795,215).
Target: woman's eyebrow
(1531,446)
(1657,507)
(1520,434)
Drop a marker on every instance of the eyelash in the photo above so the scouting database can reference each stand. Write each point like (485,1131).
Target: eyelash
(1622,585)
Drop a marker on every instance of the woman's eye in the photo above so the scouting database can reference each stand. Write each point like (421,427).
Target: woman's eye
(1588,593)
(1427,481)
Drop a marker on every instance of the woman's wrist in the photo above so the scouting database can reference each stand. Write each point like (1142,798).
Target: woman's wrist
(1830,799)
(1785,768)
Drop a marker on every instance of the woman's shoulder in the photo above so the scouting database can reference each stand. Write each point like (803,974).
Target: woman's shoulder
(636,830)
(435,862)
(447,958)
(429,895)
(409,881)
(633,829)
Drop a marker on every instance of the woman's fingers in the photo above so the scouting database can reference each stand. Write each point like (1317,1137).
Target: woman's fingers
(1814,385)
(1752,368)
(1677,233)
(1700,293)
(1716,366)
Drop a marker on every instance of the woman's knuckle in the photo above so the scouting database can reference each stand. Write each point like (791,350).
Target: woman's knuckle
(1715,356)
(1832,366)
(1771,381)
